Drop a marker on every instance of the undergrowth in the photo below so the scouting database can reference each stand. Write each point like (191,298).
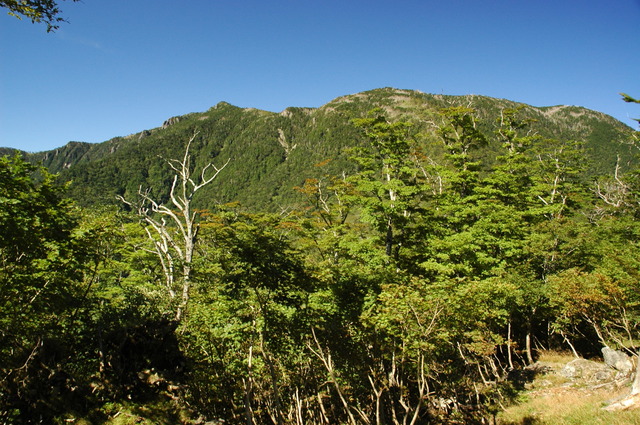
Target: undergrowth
(553,400)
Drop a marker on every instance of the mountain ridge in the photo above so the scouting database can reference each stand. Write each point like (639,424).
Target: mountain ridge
(272,152)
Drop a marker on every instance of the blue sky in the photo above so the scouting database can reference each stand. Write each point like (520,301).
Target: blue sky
(122,66)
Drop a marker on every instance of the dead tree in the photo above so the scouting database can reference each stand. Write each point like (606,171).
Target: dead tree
(173,228)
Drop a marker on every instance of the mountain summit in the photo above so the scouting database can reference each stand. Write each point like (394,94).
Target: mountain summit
(271,153)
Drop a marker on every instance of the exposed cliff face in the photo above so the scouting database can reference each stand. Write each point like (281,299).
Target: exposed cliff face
(64,157)
(171,121)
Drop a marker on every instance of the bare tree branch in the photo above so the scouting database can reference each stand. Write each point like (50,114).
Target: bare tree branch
(174,241)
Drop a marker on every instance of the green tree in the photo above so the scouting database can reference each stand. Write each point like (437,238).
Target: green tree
(250,313)
(45,261)
(40,269)
(388,177)
(630,99)
(39,11)
(461,136)
(453,248)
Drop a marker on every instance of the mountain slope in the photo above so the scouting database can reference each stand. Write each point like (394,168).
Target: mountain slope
(270,153)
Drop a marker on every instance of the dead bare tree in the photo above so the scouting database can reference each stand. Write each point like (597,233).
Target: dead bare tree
(613,192)
(173,228)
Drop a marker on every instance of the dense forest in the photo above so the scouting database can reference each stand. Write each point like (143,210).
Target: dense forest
(412,283)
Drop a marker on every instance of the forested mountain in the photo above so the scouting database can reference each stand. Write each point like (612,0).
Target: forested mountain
(389,258)
(271,153)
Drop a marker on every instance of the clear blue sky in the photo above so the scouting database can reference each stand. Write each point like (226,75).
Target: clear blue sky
(122,66)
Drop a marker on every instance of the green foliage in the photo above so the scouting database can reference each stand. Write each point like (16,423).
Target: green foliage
(45,260)
(386,185)
(42,258)
(411,285)
(271,153)
(630,99)
(36,10)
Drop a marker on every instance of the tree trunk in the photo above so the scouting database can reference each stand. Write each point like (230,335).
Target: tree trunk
(248,390)
(509,345)
(389,239)
(176,240)
(528,343)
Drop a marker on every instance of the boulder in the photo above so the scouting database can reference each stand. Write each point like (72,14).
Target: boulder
(617,360)
(588,371)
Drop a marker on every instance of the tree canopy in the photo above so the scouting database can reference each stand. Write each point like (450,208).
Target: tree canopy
(38,11)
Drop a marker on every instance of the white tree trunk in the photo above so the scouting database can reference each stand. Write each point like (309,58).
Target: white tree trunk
(176,241)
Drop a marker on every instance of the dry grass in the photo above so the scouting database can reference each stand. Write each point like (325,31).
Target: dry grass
(554,400)
(560,358)
(571,406)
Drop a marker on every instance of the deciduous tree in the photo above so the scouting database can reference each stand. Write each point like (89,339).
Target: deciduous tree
(43,260)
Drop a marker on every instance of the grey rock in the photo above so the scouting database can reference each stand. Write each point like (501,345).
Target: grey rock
(143,134)
(617,360)
(587,370)
(171,121)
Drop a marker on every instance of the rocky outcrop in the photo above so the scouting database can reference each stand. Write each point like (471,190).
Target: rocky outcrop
(617,360)
(588,371)
(632,400)
(282,139)
(143,134)
(171,121)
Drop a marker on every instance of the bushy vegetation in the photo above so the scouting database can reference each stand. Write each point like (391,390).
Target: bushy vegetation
(405,290)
